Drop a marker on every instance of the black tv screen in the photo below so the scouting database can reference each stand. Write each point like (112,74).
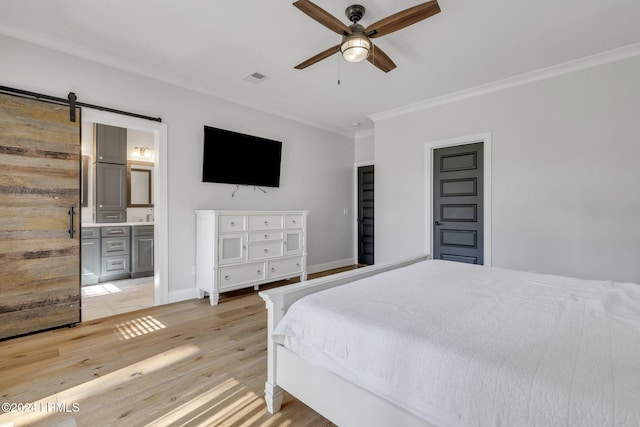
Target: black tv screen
(236,158)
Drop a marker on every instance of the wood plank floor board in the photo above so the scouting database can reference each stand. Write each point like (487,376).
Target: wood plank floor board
(182,364)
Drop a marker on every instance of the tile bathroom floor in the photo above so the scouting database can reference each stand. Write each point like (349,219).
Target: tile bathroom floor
(120,296)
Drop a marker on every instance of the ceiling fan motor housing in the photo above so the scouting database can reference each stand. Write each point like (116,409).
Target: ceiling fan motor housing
(355,12)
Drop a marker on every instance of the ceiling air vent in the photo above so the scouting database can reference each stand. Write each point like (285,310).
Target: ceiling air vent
(254,77)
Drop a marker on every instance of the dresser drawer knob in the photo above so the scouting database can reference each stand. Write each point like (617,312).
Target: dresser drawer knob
(266,223)
(293,221)
(259,271)
(266,236)
(273,269)
(298,264)
(226,277)
(266,251)
(233,224)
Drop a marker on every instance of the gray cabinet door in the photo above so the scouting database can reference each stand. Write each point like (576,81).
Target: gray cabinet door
(110,144)
(142,256)
(90,261)
(111,187)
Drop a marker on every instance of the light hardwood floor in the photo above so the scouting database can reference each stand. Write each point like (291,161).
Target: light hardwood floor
(183,364)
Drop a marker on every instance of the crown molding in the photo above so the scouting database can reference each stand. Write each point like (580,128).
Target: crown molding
(116,63)
(615,55)
(364,133)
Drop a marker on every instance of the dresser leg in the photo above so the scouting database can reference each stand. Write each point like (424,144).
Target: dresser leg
(214,297)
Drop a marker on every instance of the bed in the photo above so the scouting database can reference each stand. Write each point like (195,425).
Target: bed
(430,342)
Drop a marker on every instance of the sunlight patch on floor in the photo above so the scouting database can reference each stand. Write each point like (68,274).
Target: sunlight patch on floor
(188,412)
(100,289)
(137,327)
(105,384)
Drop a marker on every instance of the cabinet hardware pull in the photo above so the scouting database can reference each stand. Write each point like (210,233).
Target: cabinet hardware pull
(293,221)
(233,224)
(266,236)
(273,269)
(259,271)
(71,230)
(266,251)
(266,223)
(297,264)
(226,277)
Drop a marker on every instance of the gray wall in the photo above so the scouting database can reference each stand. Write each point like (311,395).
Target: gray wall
(317,165)
(566,175)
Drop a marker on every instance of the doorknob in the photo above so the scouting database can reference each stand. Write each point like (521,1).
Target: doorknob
(437,222)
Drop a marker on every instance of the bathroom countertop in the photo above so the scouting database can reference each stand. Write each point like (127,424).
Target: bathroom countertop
(111,224)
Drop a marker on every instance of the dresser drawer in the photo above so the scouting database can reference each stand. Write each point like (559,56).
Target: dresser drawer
(230,223)
(111,216)
(112,231)
(284,267)
(293,221)
(265,222)
(265,235)
(143,230)
(230,277)
(90,232)
(115,265)
(265,250)
(115,246)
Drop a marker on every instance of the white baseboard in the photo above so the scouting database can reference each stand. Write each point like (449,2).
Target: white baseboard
(182,295)
(330,265)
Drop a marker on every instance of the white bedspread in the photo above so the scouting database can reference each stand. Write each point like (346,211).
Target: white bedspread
(463,345)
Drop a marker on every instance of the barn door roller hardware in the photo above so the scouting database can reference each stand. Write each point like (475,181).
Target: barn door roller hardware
(72,102)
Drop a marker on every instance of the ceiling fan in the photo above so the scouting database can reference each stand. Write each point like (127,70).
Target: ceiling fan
(356,45)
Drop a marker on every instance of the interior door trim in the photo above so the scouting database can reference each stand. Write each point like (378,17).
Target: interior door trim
(160,210)
(429,148)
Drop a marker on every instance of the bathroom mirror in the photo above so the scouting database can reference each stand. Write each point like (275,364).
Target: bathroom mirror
(140,180)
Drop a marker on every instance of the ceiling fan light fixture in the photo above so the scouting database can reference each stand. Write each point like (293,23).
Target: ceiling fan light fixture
(355,47)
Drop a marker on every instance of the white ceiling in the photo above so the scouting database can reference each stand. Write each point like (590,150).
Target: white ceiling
(210,45)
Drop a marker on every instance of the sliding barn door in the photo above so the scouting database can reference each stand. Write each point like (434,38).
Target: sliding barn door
(39,205)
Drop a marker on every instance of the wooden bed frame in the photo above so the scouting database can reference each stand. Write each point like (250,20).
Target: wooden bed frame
(337,399)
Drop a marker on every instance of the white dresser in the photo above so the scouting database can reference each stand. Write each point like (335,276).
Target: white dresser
(240,249)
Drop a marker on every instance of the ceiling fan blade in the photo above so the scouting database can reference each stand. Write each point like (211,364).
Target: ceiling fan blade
(322,16)
(380,59)
(403,19)
(319,57)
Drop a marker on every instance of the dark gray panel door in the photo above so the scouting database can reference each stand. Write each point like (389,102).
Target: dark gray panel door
(365,214)
(458,204)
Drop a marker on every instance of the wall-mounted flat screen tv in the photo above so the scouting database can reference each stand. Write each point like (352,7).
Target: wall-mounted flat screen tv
(236,158)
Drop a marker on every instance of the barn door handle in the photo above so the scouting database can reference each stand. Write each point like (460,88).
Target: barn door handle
(71,230)
(437,222)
